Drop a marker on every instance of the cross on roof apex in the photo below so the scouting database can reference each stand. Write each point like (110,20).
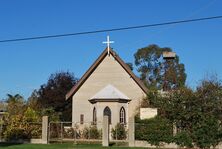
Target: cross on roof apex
(108,43)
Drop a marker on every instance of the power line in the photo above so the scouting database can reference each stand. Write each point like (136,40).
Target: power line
(111,30)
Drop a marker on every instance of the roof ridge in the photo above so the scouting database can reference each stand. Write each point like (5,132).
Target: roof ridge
(91,69)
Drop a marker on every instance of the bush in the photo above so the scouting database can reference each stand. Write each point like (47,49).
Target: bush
(207,132)
(155,130)
(91,133)
(23,126)
(15,129)
(119,132)
(15,133)
(183,139)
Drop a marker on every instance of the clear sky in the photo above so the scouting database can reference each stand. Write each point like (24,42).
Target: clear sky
(26,65)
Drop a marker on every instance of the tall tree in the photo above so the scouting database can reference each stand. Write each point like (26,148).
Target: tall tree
(157,72)
(52,94)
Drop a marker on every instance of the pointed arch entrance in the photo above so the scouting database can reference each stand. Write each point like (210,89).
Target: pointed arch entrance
(107,112)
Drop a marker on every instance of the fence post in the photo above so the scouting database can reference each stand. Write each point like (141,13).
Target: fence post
(61,132)
(74,128)
(174,129)
(131,131)
(44,129)
(1,131)
(105,138)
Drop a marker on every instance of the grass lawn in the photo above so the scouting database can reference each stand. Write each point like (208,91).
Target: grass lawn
(57,146)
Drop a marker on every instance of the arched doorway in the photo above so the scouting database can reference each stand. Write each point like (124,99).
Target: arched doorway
(107,112)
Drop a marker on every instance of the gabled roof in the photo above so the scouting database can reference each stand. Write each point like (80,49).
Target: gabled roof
(94,66)
(109,92)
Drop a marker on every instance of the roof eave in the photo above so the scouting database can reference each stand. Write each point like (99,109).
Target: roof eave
(94,66)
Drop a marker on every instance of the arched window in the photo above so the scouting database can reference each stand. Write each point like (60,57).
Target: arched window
(107,112)
(122,116)
(94,116)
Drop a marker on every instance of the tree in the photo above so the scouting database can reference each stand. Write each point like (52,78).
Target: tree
(16,104)
(33,101)
(157,72)
(52,94)
(130,65)
(209,96)
(196,114)
(209,93)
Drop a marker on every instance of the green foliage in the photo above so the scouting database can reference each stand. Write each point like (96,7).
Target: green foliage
(155,130)
(14,129)
(207,129)
(23,126)
(50,112)
(207,132)
(209,95)
(30,115)
(91,133)
(157,72)
(119,132)
(196,114)
(183,139)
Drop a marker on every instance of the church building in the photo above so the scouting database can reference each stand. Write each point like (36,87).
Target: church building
(108,87)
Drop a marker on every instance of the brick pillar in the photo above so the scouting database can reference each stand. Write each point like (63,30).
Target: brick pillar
(105,139)
(131,135)
(44,129)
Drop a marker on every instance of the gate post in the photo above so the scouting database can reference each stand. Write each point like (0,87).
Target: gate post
(44,129)
(105,139)
(131,131)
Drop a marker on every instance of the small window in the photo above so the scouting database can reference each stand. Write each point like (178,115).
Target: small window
(94,116)
(81,119)
(122,116)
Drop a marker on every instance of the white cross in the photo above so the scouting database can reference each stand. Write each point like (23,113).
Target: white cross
(108,42)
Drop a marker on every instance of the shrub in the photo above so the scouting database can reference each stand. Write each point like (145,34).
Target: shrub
(207,132)
(22,126)
(155,130)
(15,133)
(14,129)
(119,132)
(91,133)
(183,139)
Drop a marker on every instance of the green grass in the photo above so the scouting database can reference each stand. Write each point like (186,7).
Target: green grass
(57,146)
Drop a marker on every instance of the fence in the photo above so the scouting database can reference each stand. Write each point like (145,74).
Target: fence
(68,131)
(63,131)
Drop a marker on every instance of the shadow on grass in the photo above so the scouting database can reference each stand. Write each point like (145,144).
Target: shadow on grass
(3,144)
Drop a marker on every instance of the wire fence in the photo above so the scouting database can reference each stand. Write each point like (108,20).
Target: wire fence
(68,131)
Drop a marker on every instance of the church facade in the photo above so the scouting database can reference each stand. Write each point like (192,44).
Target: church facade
(109,88)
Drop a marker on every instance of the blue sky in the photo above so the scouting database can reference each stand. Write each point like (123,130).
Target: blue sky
(26,65)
